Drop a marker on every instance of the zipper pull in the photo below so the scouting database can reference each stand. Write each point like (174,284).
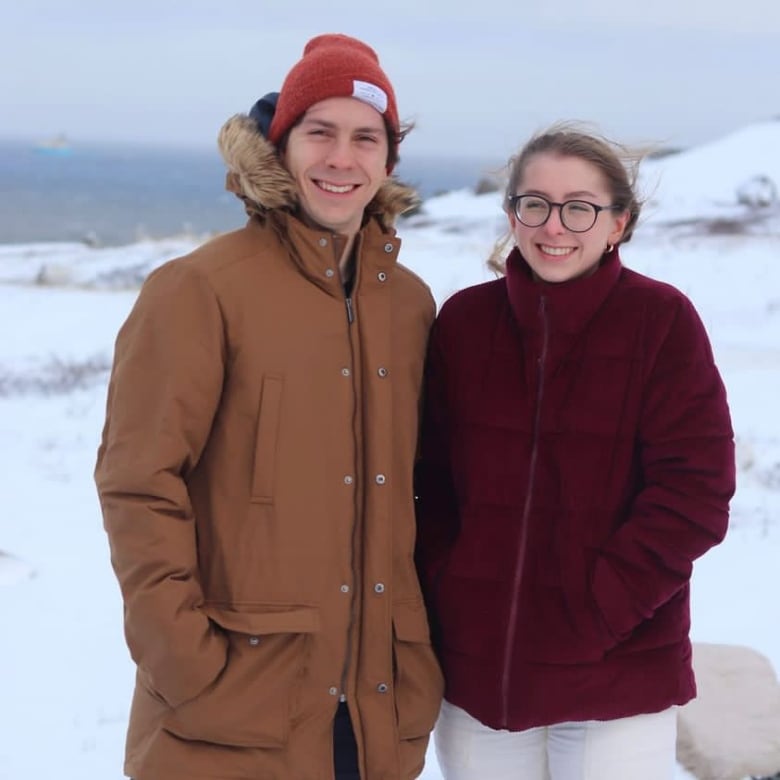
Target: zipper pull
(350,312)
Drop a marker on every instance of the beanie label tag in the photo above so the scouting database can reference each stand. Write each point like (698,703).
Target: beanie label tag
(371,94)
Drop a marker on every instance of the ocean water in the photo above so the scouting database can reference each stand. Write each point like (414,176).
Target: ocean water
(111,195)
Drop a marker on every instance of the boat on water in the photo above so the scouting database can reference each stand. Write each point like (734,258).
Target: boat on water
(58,144)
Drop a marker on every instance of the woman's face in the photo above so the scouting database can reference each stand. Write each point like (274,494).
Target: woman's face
(554,252)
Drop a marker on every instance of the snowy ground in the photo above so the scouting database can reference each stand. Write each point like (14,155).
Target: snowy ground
(66,675)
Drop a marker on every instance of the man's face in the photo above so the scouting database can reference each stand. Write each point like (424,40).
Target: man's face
(337,155)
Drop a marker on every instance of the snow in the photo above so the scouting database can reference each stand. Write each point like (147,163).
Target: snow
(704,181)
(67,675)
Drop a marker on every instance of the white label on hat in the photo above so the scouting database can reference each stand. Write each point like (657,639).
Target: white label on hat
(371,94)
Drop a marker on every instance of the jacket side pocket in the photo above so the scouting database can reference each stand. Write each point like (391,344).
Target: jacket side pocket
(250,703)
(418,680)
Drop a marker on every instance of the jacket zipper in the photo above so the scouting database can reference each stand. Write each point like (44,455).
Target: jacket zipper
(521,546)
(356,580)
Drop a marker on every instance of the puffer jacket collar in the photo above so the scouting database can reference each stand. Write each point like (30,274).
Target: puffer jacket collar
(569,305)
(257,176)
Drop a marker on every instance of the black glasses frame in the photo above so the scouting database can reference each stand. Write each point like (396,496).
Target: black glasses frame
(514,200)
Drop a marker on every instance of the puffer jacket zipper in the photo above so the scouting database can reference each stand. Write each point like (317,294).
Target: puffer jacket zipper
(511,631)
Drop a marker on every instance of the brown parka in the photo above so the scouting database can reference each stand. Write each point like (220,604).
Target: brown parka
(255,476)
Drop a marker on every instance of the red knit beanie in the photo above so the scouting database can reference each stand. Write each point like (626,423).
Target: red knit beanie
(333,65)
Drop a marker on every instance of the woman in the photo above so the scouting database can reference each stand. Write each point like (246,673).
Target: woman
(577,457)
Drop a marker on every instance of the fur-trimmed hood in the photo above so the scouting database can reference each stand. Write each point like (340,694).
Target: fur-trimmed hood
(257,176)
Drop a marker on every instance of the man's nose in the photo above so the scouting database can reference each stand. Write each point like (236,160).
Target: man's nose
(340,153)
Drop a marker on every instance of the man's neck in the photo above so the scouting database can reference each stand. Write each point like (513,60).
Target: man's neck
(347,258)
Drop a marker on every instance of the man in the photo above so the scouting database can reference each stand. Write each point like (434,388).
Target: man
(255,472)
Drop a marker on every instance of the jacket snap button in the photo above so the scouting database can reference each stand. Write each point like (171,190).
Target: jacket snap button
(389,247)
(379,587)
(383,688)
(382,276)
(323,242)
(254,641)
(345,372)
(382,372)
(348,480)
(329,272)
(333,690)
(344,588)
(380,479)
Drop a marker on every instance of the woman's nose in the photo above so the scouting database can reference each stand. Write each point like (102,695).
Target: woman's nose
(554,223)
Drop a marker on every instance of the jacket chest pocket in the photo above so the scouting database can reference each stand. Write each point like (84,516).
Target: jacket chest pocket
(266,441)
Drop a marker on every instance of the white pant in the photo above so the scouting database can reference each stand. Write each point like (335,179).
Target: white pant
(640,748)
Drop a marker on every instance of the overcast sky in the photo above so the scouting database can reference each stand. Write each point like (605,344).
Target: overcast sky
(477,76)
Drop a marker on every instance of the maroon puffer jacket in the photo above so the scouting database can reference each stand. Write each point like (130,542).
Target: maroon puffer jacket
(577,457)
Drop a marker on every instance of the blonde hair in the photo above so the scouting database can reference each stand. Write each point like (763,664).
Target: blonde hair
(617,163)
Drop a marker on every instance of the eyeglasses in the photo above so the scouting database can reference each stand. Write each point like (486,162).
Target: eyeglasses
(576,215)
